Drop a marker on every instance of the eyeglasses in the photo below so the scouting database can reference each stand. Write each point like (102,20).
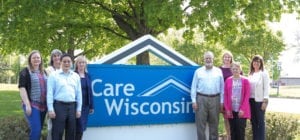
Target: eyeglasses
(235,69)
(66,61)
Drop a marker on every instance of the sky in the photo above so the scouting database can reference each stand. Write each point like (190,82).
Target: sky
(290,27)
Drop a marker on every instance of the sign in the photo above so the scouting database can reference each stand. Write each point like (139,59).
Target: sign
(141,95)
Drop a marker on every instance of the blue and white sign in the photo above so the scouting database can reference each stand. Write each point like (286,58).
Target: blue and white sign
(141,95)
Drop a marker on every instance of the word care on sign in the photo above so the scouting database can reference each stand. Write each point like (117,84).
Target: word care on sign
(138,95)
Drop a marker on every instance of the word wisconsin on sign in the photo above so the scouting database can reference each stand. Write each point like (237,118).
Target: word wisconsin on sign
(141,95)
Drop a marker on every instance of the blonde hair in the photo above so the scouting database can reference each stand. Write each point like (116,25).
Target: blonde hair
(237,64)
(228,53)
(80,58)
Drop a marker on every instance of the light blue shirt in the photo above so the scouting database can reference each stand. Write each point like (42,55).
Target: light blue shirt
(64,87)
(207,81)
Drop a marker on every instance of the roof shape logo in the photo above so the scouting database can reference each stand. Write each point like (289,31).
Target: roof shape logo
(170,81)
(143,44)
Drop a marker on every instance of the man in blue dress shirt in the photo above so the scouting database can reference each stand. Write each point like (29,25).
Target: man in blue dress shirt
(207,97)
(64,100)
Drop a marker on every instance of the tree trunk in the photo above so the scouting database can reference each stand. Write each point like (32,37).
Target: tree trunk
(133,34)
(143,59)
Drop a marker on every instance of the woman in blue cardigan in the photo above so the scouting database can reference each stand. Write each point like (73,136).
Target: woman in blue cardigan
(87,96)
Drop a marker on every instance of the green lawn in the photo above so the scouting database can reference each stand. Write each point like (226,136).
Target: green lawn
(286,92)
(10,102)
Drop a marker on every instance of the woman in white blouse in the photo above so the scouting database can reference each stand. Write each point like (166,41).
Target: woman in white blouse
(259,94)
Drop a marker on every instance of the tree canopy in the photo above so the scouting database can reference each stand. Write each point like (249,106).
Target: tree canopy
(98,27)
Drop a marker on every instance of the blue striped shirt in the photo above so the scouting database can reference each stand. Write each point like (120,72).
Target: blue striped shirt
(207,82)
(64,87)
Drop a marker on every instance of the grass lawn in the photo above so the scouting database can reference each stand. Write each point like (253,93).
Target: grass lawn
(10,102)
(286,92)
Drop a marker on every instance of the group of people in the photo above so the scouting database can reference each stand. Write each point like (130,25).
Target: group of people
(60,93)
(224,89)
(65,96)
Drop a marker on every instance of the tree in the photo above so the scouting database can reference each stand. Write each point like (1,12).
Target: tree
(193,49)
(45,25)
(253,42)
(100,26)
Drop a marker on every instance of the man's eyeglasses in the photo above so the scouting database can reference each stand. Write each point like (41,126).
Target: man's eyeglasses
(66,61)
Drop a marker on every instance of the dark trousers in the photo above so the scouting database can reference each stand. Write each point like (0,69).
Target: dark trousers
(81,122)
(237,127)
(65,120)
(257,120)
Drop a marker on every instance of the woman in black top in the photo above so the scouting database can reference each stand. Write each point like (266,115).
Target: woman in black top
(32,86)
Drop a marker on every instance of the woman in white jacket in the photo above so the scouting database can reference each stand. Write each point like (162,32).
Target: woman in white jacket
(259,81)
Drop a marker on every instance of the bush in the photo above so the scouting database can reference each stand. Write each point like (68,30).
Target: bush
(278,127)
(13,128)
(282,127)
(16,128)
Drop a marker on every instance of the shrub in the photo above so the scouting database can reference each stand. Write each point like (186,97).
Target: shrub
(13,127)
(16,128)
(278,127)
(282,127)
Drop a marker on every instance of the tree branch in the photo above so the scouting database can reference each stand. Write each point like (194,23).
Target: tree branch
(119,19)
(84,52)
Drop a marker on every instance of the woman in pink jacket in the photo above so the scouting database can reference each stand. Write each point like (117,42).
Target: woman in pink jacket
(236,102)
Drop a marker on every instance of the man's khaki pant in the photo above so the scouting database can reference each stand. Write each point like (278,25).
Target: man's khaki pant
(207,113)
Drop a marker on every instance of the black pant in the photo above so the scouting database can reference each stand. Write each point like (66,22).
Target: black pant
(257,120)
(237,127)
(65,120)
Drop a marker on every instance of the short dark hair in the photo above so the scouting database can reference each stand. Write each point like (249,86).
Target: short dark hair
(65,55)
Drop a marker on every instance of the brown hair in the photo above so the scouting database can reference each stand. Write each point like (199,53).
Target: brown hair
(257,58)
(41,66)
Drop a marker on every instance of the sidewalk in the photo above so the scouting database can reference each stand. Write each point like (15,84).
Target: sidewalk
(284,105)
